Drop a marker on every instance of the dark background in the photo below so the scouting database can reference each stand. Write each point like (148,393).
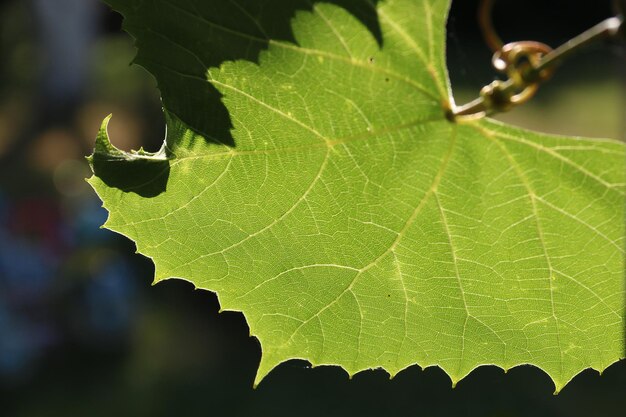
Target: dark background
(82,332)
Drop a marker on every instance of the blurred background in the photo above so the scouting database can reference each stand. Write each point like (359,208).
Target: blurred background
(82,331)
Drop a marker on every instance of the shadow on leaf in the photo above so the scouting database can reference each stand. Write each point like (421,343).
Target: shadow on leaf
(143,173)
(144,177)
(179,40)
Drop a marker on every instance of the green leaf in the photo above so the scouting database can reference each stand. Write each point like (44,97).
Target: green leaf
(311,180)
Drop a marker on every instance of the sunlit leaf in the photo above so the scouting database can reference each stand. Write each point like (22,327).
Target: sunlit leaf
(311,180)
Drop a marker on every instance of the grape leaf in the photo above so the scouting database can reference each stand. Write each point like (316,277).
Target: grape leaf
(310,178)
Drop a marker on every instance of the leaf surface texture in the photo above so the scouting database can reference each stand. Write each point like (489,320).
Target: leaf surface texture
(311,180)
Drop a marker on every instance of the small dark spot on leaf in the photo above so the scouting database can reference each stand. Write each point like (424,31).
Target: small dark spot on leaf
(387,80)
(371,60)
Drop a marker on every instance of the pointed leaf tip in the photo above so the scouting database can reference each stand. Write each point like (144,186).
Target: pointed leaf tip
(103,144)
